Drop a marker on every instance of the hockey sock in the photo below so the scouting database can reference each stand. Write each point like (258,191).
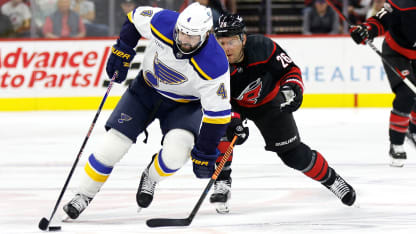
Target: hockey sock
(399,123)
(226,171)
(412,126)
(158,169)
(319,170)
(222,147)
(96,173)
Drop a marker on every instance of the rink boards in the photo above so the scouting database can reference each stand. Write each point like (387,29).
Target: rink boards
(70,74)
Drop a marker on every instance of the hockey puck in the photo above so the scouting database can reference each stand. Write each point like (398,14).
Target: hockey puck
(54,228)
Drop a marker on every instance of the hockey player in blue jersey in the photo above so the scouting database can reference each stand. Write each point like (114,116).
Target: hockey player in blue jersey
(184,81)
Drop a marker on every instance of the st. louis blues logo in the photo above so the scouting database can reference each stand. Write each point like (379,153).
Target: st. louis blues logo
(124,118)
(164,74)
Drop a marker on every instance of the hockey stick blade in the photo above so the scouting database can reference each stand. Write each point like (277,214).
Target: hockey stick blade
(168,222)
(43,224)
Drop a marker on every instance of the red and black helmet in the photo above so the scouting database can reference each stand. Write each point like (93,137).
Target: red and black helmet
(230,25)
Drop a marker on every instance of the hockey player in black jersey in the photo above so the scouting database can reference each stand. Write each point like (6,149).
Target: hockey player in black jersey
(397,21)
(266,87)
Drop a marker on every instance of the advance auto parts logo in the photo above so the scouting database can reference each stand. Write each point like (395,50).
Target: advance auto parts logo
(53,68)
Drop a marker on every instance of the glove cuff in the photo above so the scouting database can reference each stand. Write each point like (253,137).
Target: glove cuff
(235,115)
(294,84)
(199,155)
(126,49)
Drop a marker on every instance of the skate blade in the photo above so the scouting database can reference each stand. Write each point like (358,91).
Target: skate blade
(221,208)
(397,162)
(139,209)
(65,218)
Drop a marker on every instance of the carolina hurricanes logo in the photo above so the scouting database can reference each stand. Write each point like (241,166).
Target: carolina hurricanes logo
(251,93)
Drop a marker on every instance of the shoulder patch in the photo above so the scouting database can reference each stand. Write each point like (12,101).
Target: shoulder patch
(259,49)
(402,5)
(163,24)
(211,62)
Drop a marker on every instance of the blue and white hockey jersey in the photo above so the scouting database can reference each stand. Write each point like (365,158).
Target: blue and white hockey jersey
(203,76)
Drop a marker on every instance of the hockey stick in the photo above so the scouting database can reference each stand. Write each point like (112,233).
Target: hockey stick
(44,223)
(165,222)
(369,43)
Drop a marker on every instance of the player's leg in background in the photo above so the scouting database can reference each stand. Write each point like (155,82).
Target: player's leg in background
(180,125)
(411,133)
(402,103)
(399,124)
(222,186)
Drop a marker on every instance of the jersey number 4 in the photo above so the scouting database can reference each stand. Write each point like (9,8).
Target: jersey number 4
(222,92)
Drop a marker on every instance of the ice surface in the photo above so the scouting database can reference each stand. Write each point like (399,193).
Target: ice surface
(37,150)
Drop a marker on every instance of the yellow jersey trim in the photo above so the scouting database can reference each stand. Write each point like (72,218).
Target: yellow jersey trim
(130,16)
(199,70)
(160,35)
(216,120)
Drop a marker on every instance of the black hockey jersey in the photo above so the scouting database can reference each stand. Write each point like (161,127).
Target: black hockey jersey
(265,68)
(398,20)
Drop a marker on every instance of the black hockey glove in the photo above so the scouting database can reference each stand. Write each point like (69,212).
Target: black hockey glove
(235,127)
(119,60)
(360,33)
(292,96)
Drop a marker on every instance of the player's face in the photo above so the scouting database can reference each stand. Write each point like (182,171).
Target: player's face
(188,42)
(233,47)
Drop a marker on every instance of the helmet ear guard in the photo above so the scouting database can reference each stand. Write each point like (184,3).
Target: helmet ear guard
(195,20)
(230,25)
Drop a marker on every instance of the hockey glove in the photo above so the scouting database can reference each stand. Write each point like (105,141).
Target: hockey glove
(361,33)
(292,95)
(235,127)
(203,164)
(119,60)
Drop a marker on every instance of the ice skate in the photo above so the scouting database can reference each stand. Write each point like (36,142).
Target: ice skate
(397,155)
(145,191)
(342,190)
(412,137)
(77,205)
(221,195)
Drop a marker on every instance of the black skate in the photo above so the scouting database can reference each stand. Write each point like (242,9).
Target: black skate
(412,137)
(146,189)
(342,190)
(397,155)
(221,195)
(77,205)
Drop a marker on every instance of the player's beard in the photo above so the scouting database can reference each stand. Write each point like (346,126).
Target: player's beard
(186,47)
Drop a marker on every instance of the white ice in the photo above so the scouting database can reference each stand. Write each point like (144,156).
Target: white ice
(37,150)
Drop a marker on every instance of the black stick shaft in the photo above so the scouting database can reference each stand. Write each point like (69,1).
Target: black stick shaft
(213,178)
(82,148)
(395,70)
(163,222)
